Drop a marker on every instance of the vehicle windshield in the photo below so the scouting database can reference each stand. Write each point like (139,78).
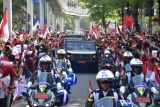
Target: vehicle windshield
(73,37)
(138,81)
(80,45)
(104,102)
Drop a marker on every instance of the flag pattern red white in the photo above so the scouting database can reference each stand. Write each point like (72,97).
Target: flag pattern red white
(45,31)
(4,31)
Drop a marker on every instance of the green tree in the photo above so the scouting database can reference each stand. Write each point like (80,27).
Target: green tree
(1,9)
(101,9)
(69,22)
(19,13)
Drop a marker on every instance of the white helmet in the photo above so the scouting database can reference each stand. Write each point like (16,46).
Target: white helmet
(136,62)
(61,51)
(127,54)
(45,58)
(106,51)
(104,75)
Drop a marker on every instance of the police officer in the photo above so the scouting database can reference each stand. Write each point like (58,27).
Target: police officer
(107,60)
(62,61)
(127,56)
(104,80)
(45,62)
(136,65)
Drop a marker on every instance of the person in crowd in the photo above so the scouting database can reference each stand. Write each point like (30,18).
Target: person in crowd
(104,81)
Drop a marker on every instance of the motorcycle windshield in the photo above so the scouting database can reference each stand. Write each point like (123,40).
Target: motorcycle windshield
(138,81)
(42,77)
(104,102)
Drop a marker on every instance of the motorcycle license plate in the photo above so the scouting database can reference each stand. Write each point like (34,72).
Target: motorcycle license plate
(41,96)
(143,100)
(81,62)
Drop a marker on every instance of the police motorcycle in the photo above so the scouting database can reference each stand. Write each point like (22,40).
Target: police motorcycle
(44,93)
(67,79)
(142,95)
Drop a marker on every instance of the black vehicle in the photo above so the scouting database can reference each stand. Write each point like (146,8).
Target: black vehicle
(83,55)
(71,37)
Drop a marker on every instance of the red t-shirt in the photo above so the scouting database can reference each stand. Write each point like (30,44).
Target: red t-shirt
(6,70)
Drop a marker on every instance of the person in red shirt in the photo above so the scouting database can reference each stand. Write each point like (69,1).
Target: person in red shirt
(8,68)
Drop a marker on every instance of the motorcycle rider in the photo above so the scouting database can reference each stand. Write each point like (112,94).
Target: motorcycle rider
(107,61)
(136,65)
(61,61)
(127,56)
(45,62)
(104,80)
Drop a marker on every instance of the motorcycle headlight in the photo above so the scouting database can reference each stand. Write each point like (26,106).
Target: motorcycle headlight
(47,105)
(141,90)
(34,104)
(42,87)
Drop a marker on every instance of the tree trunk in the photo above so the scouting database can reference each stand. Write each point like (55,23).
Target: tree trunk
(136,18)
(159,9)
(128,11)
(103,18)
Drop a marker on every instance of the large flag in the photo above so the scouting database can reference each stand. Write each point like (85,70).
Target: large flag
(4,31)
(106,26)
(96,31)
(45,31)
(35,27)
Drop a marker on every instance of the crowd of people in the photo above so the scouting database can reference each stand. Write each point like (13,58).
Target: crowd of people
(123,56)
(120,54)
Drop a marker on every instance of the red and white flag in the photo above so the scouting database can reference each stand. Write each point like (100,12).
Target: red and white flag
(4,31)
(95,31)
(35,27)
(45,31)
(107,24)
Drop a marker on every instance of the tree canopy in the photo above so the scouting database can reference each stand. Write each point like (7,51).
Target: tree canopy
(113,9)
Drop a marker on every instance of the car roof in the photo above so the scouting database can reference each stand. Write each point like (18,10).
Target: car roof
(73,36)
(80,41)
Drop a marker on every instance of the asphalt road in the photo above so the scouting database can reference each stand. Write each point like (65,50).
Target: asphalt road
(79,93)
